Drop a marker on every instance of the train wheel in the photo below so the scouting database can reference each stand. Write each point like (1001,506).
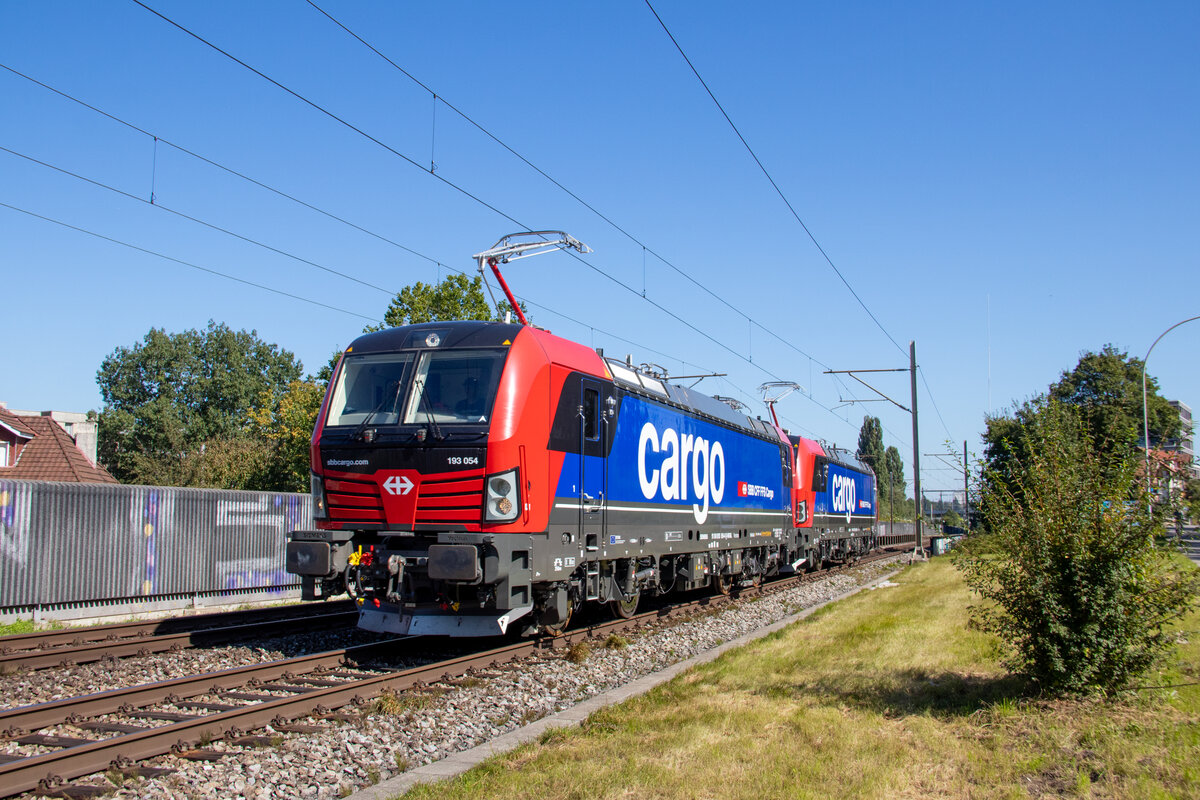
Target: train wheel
(556,628)
(626,607)
(723,583)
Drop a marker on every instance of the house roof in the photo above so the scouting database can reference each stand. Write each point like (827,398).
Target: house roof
(11,422)
(50,454)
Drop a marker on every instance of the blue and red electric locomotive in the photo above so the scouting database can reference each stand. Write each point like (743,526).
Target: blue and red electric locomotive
(469,477)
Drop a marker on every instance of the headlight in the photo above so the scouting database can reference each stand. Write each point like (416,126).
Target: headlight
(318,498)
(503,503)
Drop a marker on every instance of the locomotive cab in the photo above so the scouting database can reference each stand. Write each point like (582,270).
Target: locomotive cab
(419,482)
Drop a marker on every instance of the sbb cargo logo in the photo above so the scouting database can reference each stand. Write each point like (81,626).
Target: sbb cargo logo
(681,461)
(842,493)
(754,490)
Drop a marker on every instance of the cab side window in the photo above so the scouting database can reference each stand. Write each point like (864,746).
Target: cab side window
(820,474)
(591,415)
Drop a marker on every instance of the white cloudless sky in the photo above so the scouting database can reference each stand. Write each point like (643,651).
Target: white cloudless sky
(1007,184)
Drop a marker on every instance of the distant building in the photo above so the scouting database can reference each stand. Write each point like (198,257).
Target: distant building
(1169,472)
(49,446)
(1185,444)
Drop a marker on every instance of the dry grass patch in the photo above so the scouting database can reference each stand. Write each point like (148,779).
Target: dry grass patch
(888,694)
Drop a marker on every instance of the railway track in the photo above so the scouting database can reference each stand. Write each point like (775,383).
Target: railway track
(65,647)
(141,722)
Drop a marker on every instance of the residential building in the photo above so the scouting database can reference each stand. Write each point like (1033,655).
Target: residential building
(46,447)
(1185,444)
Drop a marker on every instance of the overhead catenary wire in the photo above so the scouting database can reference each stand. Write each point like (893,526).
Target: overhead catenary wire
(275,250)
(449,183)
(771,180)
(465,192)
(330,114)
(180,261)
(788,203)
(196,220)
(937,410)
(616,226)
(294,199)
(227,169)
(453,185)
(439,263)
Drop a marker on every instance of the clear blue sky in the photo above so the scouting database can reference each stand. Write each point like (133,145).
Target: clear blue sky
(1008,184)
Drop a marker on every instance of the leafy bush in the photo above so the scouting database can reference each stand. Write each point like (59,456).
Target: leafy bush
(1076,578)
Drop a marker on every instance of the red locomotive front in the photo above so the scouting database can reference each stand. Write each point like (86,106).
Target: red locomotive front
(426,448)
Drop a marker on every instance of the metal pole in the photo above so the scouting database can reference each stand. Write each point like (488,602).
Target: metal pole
(966,490)
(912,371)
(1145,411)
(891,504)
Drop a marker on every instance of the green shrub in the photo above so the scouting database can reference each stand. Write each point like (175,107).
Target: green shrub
(1076,579)
(578,652)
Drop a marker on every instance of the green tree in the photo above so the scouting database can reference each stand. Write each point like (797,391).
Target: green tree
(1191,498)
(870,445)
(953,519)
(456,297)
(176,405)
(285,424)
(1106,389)
(1076,580)
(894,466)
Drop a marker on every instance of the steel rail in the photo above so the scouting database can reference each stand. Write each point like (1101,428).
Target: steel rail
(15,721)
(140,646)
(165,625)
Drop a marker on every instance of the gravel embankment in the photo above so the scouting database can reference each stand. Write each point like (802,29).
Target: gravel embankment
(417,729)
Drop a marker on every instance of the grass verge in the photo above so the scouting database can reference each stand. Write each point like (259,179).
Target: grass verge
(887,694)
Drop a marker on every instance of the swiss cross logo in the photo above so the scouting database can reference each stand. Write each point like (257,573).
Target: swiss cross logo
(400,491)
(398,484)
(741,488)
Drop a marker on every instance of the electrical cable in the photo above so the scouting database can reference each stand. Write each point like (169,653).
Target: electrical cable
(921,372)
(160,140)
(188,263)
(478,126)
(778,191)
(196,220)
(790,208)
(470,195)
(330,114)
(287,196)
(458,188)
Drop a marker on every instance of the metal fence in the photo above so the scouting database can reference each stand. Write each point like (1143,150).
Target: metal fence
(896,533)
(68,545)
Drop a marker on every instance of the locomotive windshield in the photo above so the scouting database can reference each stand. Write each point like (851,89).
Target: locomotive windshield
(370,385)
(446,386)
(454,386)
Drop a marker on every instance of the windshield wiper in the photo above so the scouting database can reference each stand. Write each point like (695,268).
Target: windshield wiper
(434,430)
(367,419)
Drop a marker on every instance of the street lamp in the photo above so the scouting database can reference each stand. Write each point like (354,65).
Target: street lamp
(1145,410)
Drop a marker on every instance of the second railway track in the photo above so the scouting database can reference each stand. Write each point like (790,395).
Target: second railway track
(69,646)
